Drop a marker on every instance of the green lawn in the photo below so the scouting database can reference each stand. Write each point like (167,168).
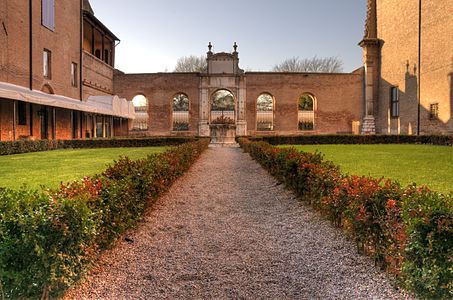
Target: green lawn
(422,164)
(52,167)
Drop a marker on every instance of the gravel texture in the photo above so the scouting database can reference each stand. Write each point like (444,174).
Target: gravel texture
(228,230)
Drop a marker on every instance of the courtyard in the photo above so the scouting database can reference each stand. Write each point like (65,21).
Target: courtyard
(148,156)
(229,230)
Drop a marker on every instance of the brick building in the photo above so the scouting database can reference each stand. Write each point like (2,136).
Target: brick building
(408,59)
(56,73)
(68,88)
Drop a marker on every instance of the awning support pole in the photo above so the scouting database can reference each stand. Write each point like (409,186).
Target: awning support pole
(112,125)
(54,123)
(95,133)
(14,119)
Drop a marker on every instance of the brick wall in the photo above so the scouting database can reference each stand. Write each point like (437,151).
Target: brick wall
(338,100)
(160,89)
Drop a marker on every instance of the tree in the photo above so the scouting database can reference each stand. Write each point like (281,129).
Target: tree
(191,63)
(181,103)
(223,100)
(315,64)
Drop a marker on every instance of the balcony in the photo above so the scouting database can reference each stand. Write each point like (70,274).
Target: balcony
(97,74)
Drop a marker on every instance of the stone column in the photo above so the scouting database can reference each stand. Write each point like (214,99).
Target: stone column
(371,60)
(371,78)
(203,124)
(241,123)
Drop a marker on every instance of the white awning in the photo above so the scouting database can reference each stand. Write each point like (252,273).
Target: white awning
(115,105)
(105,105)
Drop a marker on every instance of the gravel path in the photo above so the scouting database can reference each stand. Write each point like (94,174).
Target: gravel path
(227,230)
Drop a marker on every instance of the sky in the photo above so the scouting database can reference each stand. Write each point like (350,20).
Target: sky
(155,33)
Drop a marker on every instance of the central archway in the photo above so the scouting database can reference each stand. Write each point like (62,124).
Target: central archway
(222,107)
(222,122)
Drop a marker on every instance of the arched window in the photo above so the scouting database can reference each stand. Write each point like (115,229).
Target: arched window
(265,112)
(140,122)
(306,114)
(222,107)
(47,89)
(180,112)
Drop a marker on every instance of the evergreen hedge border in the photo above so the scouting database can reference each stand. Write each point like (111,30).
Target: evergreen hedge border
(26,146)
(49,239)
(441,140)
(407,230)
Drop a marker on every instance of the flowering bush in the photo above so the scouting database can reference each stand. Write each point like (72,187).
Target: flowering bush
(408,231)
(223,120)
(48,239)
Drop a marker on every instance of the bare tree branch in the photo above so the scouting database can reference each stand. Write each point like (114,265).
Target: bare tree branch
(331,64)
(191,63)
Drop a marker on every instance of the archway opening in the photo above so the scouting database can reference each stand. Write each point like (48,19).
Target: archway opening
(181,106)
(265,112)
(306,113)
(141,120)
(222,107)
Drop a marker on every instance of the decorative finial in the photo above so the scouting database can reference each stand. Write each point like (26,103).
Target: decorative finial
(210,47)
(235,46)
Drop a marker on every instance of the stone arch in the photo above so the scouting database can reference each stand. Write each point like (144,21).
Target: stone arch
(223,106)
(306,112)
(265,108)
(141,105)
(180,111)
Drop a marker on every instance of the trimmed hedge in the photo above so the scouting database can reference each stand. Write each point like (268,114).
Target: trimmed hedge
(443,140)
(408,231)
(48,239)
(7,148)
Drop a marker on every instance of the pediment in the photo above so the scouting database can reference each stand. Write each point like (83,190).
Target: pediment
(222,56)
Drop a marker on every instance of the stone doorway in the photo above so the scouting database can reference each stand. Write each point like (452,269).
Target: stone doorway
(222,118)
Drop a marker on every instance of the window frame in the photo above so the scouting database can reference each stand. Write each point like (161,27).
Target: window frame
(434,111)
(74,74)
(48,14)
(47,54)
(394,102)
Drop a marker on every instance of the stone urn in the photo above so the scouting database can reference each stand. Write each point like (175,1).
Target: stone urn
(223,133)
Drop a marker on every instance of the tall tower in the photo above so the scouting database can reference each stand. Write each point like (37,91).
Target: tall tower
(371,46)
